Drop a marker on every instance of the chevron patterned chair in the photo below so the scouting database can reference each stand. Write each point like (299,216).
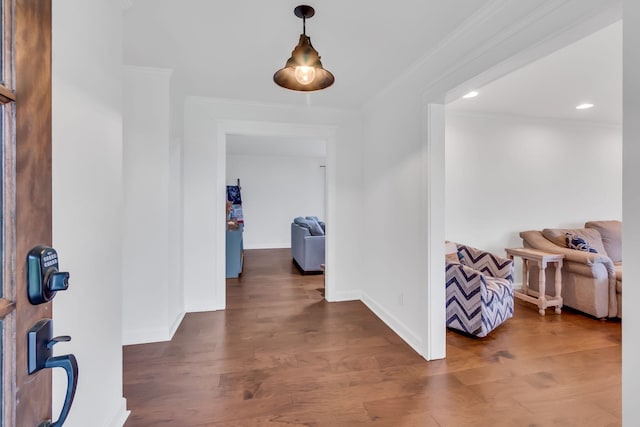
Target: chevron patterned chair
(479,291)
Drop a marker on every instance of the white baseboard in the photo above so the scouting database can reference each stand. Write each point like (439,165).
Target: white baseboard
(396,325)
(121,414)
(176,324)
(345,296)
(286,245)
(145,336)
(197,307)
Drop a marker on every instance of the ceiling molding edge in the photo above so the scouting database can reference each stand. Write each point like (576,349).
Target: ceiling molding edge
(431,90)
(535,119)
(547,9)
(484,14)
(556,40)
(208,100)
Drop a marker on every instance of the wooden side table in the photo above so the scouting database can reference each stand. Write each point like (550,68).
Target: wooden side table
(540,298)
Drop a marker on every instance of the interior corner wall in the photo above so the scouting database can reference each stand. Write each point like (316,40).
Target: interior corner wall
(176,235)
(395,205)
(631,213)
(151,300)
(275,190)
(507,174)
(200,234)
(87,205)
(204,225)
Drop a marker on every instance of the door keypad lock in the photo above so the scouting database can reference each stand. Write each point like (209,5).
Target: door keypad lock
(43,277)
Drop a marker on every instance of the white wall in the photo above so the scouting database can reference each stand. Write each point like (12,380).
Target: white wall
(152,300)
(631,213)
(176,234)
(206,121)
(275,190)
(87,204)
(395,203)
(506,174)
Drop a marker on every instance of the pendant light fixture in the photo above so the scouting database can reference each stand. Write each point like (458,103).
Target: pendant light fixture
(303,71)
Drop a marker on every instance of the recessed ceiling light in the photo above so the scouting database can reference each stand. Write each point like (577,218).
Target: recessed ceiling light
(471,94)
(584,106)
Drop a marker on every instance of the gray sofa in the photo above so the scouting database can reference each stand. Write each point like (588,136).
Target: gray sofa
(591,281)
(307,250)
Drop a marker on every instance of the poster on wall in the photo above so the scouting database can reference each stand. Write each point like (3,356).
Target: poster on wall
(233,196)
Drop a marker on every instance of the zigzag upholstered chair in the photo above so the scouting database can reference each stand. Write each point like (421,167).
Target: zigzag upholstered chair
(479,291)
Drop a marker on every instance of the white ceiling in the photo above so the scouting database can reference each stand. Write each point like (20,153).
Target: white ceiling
(589,70)
(276,146)
(231,49)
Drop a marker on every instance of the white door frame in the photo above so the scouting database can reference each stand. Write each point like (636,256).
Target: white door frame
(435,342)
(255,128)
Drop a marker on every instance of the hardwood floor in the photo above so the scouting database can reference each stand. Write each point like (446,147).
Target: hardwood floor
(281,356)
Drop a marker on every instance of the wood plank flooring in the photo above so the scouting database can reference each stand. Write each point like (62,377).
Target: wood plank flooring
(281,356)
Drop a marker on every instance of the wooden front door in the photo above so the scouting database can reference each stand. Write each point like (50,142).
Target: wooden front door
(25,96)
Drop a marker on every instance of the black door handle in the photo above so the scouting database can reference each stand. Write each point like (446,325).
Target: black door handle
(69,363)
(40,354)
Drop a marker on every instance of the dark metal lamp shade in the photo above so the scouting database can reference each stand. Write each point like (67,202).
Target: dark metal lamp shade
(303,71)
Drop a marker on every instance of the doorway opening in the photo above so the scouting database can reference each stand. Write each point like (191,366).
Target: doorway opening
(270,181)
(321,134)
(519,153)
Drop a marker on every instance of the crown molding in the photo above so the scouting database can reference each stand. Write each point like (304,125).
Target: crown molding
(533,119)
(483,15)
(214,101)
(589,23)
(441,75)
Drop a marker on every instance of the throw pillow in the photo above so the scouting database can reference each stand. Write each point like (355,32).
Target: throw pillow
(578,243)
(315,228)
(451,253)
(589,235)
(315,218)
(302,222)
(452,259)
(611,232)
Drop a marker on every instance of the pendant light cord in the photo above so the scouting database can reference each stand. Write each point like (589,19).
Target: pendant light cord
(304,25)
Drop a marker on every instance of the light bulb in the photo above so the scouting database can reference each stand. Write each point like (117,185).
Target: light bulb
(585,106)
(305,74)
